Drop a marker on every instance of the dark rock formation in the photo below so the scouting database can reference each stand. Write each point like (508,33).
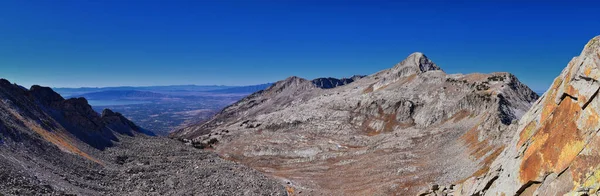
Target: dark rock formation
(327,83)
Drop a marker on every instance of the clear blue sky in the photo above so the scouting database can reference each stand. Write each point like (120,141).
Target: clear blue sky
(76,43)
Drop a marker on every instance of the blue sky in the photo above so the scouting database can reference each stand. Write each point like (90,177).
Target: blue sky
(114,43)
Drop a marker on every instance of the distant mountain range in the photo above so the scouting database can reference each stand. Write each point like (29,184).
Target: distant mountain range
(164,108)
(242,89)
(122,94)
(172,89)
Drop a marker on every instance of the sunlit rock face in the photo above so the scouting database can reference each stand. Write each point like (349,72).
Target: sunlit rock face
(556,149)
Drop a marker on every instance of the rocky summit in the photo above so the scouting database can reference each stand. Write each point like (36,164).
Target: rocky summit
(53,146)
(395,132)
(556,148)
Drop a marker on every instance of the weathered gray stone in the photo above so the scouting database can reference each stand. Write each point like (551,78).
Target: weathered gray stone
(395,131)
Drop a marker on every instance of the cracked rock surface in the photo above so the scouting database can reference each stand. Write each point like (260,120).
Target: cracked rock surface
(556,148)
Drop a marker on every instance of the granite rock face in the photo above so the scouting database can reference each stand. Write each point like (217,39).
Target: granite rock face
(53,146)
(392,132)
(556,149)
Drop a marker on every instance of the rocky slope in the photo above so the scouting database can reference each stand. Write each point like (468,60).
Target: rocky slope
(556,149)
(393,132)
(53,146)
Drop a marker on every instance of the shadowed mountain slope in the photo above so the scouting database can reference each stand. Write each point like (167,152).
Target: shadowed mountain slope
(53,146)
(327,83)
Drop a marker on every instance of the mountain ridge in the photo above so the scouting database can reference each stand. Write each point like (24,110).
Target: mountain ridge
(317,139)
(55,146)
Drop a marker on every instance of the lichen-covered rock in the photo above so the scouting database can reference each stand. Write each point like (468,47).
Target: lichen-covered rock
(556,150)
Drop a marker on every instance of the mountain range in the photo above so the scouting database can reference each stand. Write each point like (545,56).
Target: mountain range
(374,135)
(164,108)
(55,146)
(415,130)
(412,129)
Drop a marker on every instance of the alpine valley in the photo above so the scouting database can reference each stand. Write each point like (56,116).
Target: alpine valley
(412,129)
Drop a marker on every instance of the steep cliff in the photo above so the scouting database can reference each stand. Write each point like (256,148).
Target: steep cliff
(556,149)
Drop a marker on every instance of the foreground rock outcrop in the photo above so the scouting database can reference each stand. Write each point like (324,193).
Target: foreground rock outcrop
(392,132)
(556,149)
(53,146)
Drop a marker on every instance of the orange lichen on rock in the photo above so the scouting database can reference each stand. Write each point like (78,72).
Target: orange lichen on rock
(527,132)
(587,71)
(555,145)
(592,118)
(582,166)
(574,92)
(549,105)
(290,190)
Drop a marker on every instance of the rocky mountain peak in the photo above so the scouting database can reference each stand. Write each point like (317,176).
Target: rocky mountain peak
(591,47)
(292,80)
(45,95)
(291,84)
(415,63)
(107,112)
(411,119)
(73,117)
(4,82)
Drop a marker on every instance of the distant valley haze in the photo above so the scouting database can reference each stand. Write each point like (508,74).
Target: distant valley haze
(162,108)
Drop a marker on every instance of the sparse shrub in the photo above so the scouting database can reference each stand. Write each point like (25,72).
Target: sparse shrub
(495,78)
(203,145)
(121,159)
(482,86)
